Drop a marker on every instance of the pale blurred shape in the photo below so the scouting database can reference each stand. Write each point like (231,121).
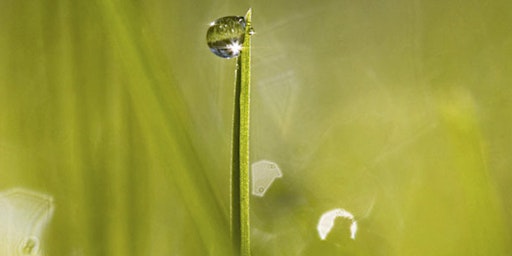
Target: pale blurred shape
(326,222)
(263,175)
(24,215)
(353,230)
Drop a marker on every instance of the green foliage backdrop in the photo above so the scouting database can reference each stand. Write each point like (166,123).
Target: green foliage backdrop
(398,111)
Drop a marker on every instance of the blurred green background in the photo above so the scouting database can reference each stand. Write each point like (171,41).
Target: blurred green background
(397,111)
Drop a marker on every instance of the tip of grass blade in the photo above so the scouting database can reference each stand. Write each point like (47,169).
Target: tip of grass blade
(248,15)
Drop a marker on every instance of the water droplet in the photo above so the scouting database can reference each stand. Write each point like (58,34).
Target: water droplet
(225,36)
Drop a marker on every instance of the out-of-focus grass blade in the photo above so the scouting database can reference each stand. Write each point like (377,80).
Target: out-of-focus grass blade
(90,113)
(162,119)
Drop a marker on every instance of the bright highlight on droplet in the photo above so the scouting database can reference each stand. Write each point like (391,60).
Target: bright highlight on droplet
(235,48)
(225,36)
(326,222)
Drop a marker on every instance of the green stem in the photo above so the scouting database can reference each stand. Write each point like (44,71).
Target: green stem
(240,194)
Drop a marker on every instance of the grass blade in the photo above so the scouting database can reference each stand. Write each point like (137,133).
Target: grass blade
(240,156)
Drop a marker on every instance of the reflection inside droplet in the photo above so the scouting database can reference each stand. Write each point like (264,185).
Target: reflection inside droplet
(225,36)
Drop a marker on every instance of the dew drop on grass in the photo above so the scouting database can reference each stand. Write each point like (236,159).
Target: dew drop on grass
(225,36)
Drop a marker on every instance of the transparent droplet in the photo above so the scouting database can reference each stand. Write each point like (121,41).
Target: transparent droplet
(225,36)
